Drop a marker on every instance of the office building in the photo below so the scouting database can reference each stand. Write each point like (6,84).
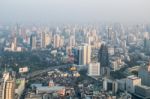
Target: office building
(144,74)
(103,58)
(84,54)
(131,82)
(7,87)
(47,39)
(147,45)
(10,89)
(142,91)
(33,42)
(94,69)
(110,85)
(56,41)
(43,39)
(72,41)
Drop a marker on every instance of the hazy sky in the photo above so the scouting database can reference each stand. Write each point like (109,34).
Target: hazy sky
(76,11)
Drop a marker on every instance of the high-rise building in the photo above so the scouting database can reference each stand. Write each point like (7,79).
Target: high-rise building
(7,87)
(84,54)
(10,89)
(147,45)
(56,41)
(3,84)
(61,42)
(103,58)
(72,41)
(88,54)
(33,42)
(109,34)
(144,74)
(94,69)
(14,44)
(47,39)
(110,85)
(43,39)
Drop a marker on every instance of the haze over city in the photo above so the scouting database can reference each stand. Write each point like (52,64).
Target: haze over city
(74,11)
(74,49)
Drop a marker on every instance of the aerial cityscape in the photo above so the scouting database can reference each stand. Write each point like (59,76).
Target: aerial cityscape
(70,49)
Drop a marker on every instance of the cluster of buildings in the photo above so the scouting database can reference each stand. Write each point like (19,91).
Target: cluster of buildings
(137,86)
(10,87)
(101,51)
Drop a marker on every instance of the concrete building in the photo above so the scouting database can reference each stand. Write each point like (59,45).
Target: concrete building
(72,41)
(10,89)
(110,85)
(43,39)
(142,91)
(131,82)
(94,69)
(147,45)
(54,89)
(84,54)
(121,84)
(47,39)
(7,87)
(103,58)
(33,42)
(56,41)
(144,74)
(3,84)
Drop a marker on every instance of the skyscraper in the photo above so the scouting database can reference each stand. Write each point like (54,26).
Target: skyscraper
(14,44)
(109,34)
(103,58)
(56,41)
(43,44)
(88,54)
(47,39)
(10,89)
(71,41)
(84,54)
(7,87)
(33,42)
(147,45)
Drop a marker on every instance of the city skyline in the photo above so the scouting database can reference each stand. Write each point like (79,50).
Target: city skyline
(74,49)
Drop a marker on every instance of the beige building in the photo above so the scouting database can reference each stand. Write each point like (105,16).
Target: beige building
(47,39)
(72,41)
(58,41)
(84,54)
(131,82)
(94,69)
(7,87)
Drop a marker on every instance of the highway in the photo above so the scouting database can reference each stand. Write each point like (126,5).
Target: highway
(36,73)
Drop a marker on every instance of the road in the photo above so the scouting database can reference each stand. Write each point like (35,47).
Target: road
(36,73)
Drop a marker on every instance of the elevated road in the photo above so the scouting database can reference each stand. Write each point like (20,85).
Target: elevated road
(39,72)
